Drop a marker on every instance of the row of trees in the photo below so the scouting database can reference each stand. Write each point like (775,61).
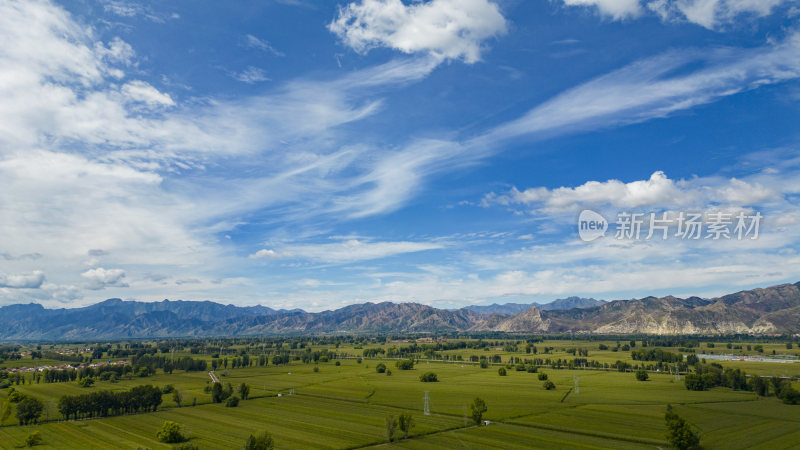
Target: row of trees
(656,354)
(107,403)
(713,375)
(168,364)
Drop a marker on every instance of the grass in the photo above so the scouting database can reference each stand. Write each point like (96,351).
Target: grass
(345,407)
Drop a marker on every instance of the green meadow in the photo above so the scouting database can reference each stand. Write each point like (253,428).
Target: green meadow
(346,406)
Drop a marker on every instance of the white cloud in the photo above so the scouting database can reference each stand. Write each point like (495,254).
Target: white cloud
(447,29)
(740,192)
(659,191)
(101,278)
(130,8)
(139,91)
(31,280)
(711,14)
(617,9)
(654,88)
(353,250)
(265,253)
(251,75)
(260,44)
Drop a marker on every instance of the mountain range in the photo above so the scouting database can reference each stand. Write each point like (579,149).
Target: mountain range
(769,310)
(516,308)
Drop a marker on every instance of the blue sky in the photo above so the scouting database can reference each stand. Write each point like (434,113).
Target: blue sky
(317,154)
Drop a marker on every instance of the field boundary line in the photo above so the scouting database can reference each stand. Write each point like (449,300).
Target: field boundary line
(598,434)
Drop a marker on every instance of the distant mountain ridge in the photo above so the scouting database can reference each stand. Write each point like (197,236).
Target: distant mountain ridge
(516,308)
(769,310)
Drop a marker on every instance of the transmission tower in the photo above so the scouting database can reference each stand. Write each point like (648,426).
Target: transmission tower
(427,410)
(576,379)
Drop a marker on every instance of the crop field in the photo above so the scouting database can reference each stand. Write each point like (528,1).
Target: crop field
(344,403)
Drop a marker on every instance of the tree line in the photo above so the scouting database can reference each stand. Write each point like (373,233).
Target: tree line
(107,403)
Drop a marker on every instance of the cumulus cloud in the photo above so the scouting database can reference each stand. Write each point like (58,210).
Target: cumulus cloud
(101,278)
(711,14)
(31,280)
(658,191)
(447,29)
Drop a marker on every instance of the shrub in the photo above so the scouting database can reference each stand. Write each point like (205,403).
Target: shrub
(531,369)
(232,402)
(380,368)
(86,382)
(338,363)
(261,441)
(542,376)
(168,389)
(406,364)
(501,371)
(428,377)
(16,397)
(34,438)
(316,369)
(548,385)
(520,367)
(642,375)
(484,364)
(170,433)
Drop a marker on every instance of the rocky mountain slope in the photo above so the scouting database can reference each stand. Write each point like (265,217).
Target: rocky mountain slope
(774,309)
(509,309)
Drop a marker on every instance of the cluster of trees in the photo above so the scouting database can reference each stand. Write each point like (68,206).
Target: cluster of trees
(404,422)
(220,393)
(713,375)
(67,357)
(107,403)
(29,409)
(168,364)
(9,353)
(578,351)
(656,354)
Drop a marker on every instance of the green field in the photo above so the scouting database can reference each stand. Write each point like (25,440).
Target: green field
(345,406)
